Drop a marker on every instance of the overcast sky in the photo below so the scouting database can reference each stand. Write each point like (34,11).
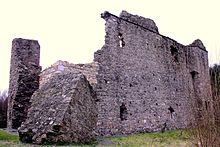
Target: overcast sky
(72,30)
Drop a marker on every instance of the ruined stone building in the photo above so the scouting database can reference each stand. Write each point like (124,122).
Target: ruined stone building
(144,81)
(24,79)
(62,110)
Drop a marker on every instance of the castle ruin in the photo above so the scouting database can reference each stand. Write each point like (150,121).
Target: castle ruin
(24,79)
(144,81)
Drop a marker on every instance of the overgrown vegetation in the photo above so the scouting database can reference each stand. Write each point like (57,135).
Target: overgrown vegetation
(215,79)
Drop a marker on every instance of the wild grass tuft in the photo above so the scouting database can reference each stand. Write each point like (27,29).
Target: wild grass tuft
(4,136)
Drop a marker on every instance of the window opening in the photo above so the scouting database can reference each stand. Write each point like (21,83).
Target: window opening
(174,53)
(194,74)
(121,40)
(123,112)
(172,112)
(206,105)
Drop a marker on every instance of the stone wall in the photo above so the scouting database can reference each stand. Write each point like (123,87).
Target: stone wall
(24,79)
(145,80)
(197,63)
(89,70)
(63,110)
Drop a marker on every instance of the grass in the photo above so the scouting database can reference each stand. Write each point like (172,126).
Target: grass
(8,140)
(167,139)
(4,136)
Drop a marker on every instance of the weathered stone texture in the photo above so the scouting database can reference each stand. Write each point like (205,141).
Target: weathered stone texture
(145,80)
(24,79)
(89,70)
(62,110)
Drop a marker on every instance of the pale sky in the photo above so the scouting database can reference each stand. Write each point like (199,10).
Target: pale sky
(72,30)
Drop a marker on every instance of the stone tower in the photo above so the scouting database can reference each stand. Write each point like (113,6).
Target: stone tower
(145,80)
(24,79)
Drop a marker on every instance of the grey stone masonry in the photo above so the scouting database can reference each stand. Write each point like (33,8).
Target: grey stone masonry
(24,79)
(63,110)
(146,81)
(89,70)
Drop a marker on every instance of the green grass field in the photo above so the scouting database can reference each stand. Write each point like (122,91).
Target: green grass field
(168,139)
(4,136)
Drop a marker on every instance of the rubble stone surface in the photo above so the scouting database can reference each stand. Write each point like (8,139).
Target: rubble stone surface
(89,70)
(62,110)
(24,79)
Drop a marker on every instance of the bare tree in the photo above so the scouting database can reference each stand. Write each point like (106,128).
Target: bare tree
(3,108)
(205,129)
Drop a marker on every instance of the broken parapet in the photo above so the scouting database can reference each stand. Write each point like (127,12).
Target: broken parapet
(62,110)
(197,43)
(24,79)
(140,21)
